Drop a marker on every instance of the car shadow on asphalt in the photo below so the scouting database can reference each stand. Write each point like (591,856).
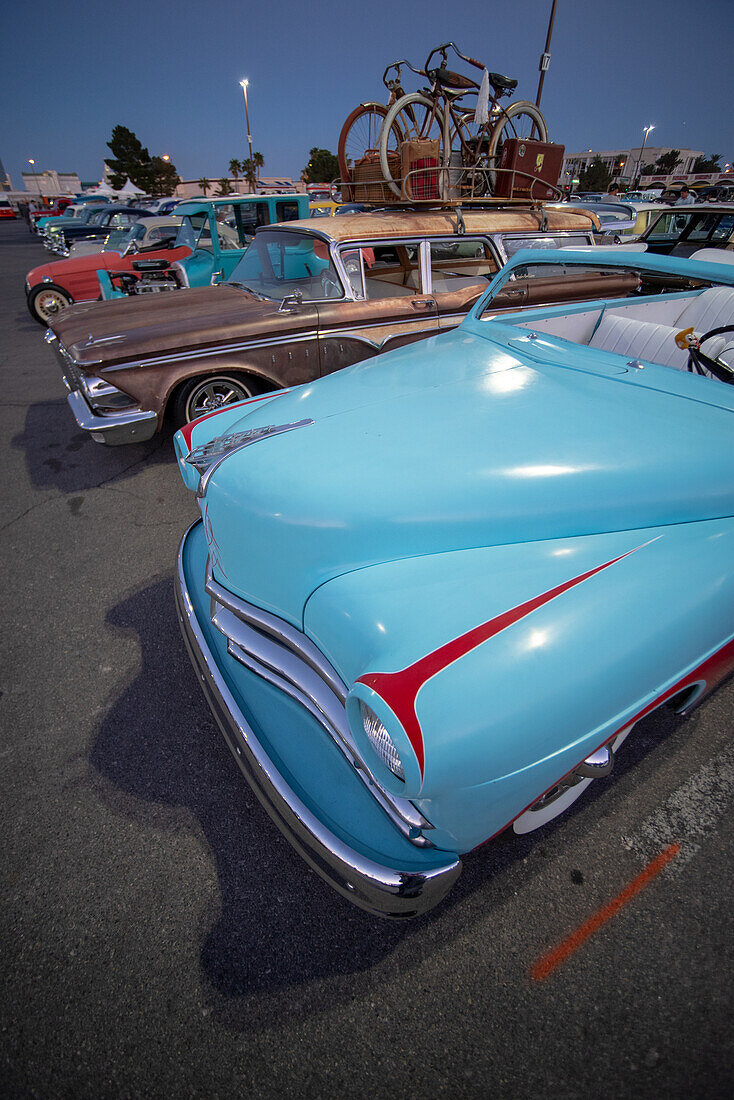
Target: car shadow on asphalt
(278,935)
(60,456)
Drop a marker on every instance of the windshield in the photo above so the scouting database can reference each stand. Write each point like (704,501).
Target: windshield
(194,232)
(119,239)
(279,263)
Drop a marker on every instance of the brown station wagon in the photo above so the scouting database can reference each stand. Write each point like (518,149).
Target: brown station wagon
(306,299)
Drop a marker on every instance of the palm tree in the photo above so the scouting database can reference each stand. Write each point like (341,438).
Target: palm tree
(204,184)
(259,162)
(235,167)
(225,187)
(248,170)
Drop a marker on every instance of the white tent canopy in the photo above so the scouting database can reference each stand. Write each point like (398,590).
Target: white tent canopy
(102,189)
(129,190)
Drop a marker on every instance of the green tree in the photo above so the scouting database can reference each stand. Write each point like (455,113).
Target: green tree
(162,177)
(707,164)
(596,177)
(259,161)
(225,187)
(667,163)
(204,184)
(130,159)
(235,168)
(322,167)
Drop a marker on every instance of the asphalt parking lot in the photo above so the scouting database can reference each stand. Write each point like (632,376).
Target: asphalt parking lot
(160,938)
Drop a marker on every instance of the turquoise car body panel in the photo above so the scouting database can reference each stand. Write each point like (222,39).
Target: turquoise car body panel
(530,542)
(213,263)
(319,777)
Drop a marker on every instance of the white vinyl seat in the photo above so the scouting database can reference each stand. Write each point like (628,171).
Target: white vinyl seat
(639,340)
(655,343)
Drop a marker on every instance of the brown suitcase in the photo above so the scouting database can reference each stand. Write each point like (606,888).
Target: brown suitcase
(367,175)
(529,169)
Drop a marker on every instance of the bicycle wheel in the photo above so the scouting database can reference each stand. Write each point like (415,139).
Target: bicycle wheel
(469,175)
(522,120)
(360,134)
(416,118)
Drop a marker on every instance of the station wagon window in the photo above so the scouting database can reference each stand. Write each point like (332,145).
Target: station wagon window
(287,211)
(280,263)
(456,264)
(572,240)
(538,283)
(384,270)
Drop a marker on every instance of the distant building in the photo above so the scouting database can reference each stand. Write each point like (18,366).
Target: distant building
(625,166)
(5,184)
(51,183)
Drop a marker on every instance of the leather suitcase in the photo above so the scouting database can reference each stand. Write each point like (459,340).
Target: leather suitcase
(529,169)
(366,177)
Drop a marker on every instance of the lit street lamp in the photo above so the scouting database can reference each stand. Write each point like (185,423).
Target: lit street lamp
(647,130)
(243,85)
(166,157)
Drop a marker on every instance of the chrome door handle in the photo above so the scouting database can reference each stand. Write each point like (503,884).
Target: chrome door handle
(422,303)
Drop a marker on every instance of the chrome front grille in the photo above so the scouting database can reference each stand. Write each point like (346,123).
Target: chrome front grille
(291,662)
(72,374)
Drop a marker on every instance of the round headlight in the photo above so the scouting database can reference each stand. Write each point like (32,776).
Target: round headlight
(381,740)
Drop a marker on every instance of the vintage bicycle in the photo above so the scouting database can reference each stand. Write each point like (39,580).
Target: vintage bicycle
(469,149)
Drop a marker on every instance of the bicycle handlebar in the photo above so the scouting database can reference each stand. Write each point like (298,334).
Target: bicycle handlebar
(396,65)
(455,48)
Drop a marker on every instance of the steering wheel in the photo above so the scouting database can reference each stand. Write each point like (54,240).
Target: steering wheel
(700,363)
(330,286)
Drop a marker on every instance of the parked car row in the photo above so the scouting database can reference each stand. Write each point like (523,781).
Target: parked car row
(466,494)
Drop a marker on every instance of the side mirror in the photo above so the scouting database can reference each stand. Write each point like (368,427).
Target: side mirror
(291,303)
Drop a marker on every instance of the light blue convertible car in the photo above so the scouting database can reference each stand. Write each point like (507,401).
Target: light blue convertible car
(431,595)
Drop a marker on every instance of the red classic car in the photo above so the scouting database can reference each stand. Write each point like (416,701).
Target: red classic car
(54,211)
(6,210)
(52,287)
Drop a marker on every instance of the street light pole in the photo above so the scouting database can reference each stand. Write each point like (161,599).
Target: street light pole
(545,56)
(243,85)
(646,132)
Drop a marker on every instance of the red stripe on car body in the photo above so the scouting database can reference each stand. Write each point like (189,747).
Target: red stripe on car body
(399,690)
(187,429)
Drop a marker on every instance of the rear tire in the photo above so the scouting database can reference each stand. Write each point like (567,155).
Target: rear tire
(46,301)
(209,393)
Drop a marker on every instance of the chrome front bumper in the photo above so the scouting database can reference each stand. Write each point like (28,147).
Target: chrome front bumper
(382,890)
(114,428)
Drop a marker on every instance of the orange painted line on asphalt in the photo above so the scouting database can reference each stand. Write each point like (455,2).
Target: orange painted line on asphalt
(545,966)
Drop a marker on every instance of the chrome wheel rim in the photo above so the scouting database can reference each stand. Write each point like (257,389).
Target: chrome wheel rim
(214,394)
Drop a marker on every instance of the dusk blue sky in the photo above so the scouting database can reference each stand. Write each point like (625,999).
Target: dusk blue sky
(169,70)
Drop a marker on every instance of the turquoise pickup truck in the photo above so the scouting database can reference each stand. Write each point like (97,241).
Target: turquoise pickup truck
(217,231)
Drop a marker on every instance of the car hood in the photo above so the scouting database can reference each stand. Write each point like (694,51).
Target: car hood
(102,334)
(456,443)
(58,270)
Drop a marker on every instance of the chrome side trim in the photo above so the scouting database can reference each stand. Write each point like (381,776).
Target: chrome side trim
(290,661)
(286,635)
(253,436)
(382,890)
(284,671)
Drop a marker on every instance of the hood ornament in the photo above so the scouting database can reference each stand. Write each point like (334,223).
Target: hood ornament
(207,457)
